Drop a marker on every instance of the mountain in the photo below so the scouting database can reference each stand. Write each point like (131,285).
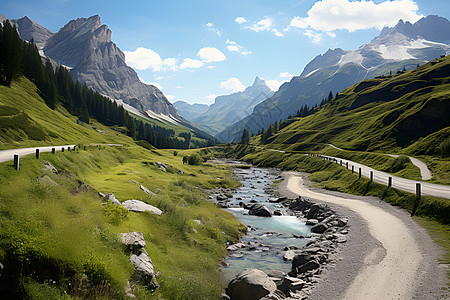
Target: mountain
(229,109)
(190,111)
(404,46)
(85,47)
(30,30)
(388,113)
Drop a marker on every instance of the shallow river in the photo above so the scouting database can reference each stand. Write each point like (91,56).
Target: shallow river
(267,236)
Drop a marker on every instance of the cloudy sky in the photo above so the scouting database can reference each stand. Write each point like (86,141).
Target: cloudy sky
(196,50)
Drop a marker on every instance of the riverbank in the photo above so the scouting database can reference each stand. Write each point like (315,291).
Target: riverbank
(404,273)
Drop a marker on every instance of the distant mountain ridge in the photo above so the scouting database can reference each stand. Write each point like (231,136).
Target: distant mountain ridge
(404,45)
(229,109)
(190,111)
(85,47)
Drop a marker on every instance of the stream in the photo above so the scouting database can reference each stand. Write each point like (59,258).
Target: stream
(267,237)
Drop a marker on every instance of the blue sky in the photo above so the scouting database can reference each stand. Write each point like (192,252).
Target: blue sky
(195,50)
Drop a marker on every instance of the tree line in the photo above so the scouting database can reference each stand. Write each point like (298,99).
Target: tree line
(56,87)
(304,111)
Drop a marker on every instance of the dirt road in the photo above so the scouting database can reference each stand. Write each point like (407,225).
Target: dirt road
(393,265)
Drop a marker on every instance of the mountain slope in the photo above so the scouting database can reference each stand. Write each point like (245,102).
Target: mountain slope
(405,45)
(229,109)
(85,46)
(388,113)
(190,111)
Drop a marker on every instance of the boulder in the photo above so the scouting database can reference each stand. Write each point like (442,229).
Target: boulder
(300,259)
(319,228)
(147,191)
(316,210)
(48,167)
(112,198)
(312,222)
(290,254)
(310,265)
(277,213)
(139,206)
(162,166)
(132,239)
(143,268)
(288,282)
(250,284)
(342,222)
(259,210)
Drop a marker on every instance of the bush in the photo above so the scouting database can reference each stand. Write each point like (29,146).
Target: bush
(175,153)
(444,148)
(399,164)
(193,159)
(114,213)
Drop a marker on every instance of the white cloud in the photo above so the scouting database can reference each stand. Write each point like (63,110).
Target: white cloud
(314,35)
(234,47)
(240,20)
(143,58)
(329,15)
(211,97)
(274,84)
(210,26)
(286,75)
(189,63)
(210,54)
(232,84)
(265,24)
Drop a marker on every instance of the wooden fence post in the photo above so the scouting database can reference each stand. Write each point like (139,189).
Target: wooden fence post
(353,169)
(16,162)
(346,165)
(37,153)
(359,173)
(389,181)
(371,176)
(417,199)
(53,150)
(62,149)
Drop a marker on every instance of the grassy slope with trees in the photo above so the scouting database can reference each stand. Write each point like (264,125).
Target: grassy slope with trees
(57,240)
(403,114)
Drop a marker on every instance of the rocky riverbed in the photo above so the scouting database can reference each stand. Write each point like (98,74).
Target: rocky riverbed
(289,244)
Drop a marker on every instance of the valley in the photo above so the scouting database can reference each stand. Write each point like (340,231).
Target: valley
(330,184)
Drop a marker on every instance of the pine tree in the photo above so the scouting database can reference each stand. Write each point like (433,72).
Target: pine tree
(245,137)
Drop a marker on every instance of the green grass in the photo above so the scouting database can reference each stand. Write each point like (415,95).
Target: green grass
(58,241)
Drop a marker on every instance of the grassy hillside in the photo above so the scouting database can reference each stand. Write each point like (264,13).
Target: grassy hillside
(402,114)
(57,240)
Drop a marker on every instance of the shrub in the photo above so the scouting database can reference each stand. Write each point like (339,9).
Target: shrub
(193,159)
(175,153)
(399,163)
(444,148)
(114,214)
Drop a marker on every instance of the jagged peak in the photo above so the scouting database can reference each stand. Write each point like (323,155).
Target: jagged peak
(258,81)
(91,24)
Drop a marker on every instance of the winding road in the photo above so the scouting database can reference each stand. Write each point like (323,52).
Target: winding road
(7,155)
(407,185)
(392,276)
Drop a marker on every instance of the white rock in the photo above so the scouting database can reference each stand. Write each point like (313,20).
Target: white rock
(139,206)
(133,238)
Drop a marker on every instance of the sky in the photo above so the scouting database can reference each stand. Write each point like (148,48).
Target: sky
(197,50)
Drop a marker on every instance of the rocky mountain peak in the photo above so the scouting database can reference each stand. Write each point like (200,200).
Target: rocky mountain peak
(30,30)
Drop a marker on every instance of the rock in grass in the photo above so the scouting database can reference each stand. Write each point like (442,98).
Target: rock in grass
(133,239)
(143,268)
(147,191)
(139,206)
(250,284)
(48,167)
(112,198)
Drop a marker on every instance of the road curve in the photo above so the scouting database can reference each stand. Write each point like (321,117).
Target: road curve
(393,276)
(407,185)
(7,155)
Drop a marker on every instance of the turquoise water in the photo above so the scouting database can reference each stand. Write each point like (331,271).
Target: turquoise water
(269,236)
